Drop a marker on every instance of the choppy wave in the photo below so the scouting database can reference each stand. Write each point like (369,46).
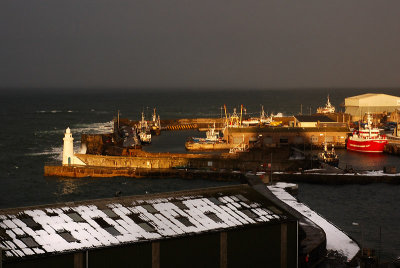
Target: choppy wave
(55,153)
(70,111)
(93,128)
(54,111)
(77,129)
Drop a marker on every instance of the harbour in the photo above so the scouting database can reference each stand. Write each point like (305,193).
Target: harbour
(170,144)
(249,146)
(199,134)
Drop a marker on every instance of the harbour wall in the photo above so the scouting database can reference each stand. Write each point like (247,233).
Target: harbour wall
(104,172)
(217,174)
(281,136)
(242,161)
(111,166)
(393,147)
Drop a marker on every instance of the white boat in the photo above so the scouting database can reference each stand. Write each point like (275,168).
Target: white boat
(212,141)
(264,120)
(212,134)
(329,108)
(251,122)
(257,121)
(144,131)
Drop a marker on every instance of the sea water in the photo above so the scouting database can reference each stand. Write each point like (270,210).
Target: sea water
(33,124)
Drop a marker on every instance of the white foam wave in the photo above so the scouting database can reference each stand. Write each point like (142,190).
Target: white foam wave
(54,111)
(94,128)
(78,129)
(55,153)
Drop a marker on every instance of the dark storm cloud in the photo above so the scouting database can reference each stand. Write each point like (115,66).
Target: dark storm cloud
(166,44)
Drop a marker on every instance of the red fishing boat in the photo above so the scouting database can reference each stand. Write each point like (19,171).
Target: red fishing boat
(367,140)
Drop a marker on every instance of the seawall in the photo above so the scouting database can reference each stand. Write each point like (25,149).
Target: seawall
(104,172)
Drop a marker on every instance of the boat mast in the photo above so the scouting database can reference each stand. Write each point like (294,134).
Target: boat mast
(118,119)
(241,114)
(226,116)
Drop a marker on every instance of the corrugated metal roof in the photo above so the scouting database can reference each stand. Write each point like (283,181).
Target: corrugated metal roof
(100,223)
(373,100)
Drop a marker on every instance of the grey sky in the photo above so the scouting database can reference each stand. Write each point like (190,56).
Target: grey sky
(195,44)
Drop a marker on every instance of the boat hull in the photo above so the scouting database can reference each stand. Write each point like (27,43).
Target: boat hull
(366,146)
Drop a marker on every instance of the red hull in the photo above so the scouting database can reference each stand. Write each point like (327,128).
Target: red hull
(367,146)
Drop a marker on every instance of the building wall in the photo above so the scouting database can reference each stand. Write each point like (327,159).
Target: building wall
(307,124)
(135,255)
(272,245)
(60,261)
(314,136)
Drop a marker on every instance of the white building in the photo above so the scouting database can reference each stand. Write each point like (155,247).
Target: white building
(68,150)
(358,106)
(313,121)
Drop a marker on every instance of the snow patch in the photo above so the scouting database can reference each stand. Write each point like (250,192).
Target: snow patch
(336,239)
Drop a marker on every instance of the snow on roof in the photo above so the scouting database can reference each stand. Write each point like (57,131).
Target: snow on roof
(102,223)
(336,239)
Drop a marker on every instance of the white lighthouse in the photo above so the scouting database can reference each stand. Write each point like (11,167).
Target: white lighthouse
(68,150)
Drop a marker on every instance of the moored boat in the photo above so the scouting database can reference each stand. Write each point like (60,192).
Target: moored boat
(329,108)
(329,157)
(155,124)
(144,131)
(367,140)
(212,141)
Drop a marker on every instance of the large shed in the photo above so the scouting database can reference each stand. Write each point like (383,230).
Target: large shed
(213,227)
(372,103)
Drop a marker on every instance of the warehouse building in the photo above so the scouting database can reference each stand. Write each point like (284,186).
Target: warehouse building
(358,106)
(314,121)
(231,226)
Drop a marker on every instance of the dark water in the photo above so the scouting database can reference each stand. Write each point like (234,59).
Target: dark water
(374,207)
(33,123)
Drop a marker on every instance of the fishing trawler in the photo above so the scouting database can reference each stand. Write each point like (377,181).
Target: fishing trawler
(144,131)
(258,121)
(329,157)
(329,108)
(367,140)
(264,120)
(212,141)
(155,124)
